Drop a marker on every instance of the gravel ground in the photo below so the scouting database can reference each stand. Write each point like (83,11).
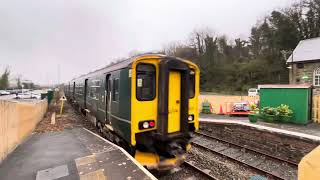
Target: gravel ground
(218,166)
(277,167)
(69,119)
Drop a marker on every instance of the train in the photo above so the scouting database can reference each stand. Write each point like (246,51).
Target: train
(147,104)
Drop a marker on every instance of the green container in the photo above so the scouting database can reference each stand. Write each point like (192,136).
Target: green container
(298,97)
(43,95)
(50,96)
(206,108)
(269,118)
(253,118)
(285,119)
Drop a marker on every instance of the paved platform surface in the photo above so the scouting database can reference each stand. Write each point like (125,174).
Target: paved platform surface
(70,154)
(310,131)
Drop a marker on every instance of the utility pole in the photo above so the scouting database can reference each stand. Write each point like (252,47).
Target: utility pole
(58,74)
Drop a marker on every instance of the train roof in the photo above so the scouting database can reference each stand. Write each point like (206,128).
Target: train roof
(120,65)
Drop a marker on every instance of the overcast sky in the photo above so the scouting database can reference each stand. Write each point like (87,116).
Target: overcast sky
(38,36)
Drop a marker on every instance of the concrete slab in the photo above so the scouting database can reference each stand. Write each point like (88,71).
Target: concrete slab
(53,173)
(70,154)
(95,175)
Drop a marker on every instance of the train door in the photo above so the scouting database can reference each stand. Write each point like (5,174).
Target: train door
(108,98)
(174,100)
(85,93)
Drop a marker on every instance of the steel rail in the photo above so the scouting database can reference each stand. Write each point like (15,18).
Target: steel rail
(269,174)
(199,170)
(249,149)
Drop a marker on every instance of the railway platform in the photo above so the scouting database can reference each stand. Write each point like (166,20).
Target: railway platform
(70,154)
(68,149)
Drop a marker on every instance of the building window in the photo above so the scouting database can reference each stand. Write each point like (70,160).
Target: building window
(316,77)
(300,66)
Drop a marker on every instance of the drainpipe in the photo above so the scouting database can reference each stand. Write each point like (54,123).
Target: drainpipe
(292,67)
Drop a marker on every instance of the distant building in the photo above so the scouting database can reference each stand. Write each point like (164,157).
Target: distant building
(304,64)
(13,83)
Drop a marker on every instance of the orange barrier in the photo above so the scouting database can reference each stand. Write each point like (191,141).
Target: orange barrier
(221,110)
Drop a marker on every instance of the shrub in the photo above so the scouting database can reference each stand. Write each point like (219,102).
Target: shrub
(284,110)
(270,111)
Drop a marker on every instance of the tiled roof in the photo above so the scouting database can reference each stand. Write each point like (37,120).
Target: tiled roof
(306,50)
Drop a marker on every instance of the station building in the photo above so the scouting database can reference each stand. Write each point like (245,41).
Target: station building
(304,68)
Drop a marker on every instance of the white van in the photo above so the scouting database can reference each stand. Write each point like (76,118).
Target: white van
(253,92)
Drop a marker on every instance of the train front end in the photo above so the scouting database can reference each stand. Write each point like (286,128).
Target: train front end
(164,102)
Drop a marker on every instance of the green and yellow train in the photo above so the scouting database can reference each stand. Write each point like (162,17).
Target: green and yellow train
(147,104)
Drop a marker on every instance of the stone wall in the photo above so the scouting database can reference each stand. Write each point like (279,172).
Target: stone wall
(296,77)
(297,74)
(17,121)
(285,146)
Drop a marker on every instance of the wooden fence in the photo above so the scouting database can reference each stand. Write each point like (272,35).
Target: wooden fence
(316,109)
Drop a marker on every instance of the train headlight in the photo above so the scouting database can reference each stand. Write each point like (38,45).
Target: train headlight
(190,117)
(147,124)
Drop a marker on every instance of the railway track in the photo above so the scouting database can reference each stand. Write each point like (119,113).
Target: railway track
(190,165)
(249,149)
(187,170)
(236,159)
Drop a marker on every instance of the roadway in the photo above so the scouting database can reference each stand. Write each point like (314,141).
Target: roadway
(6,97)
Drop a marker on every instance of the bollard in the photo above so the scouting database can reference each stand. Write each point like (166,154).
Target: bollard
(53,118)
(62,99)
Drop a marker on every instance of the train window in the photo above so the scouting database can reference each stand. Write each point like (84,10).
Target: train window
(192,86)
(115,90)
(146,82)
(94,89)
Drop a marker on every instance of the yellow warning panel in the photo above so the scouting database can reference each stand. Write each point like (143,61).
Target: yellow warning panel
(147,159)
(309,166)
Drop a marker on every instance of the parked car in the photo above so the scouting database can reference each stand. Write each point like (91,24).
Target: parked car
(253,92)
(35,95)
(28,95)
(3,92)
(241,107)
(23,95)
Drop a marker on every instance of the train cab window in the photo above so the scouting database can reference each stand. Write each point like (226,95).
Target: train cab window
(192,86)
(115,90)
(146,82)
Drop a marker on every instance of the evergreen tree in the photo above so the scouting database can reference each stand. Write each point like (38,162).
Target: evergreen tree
(4,80)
